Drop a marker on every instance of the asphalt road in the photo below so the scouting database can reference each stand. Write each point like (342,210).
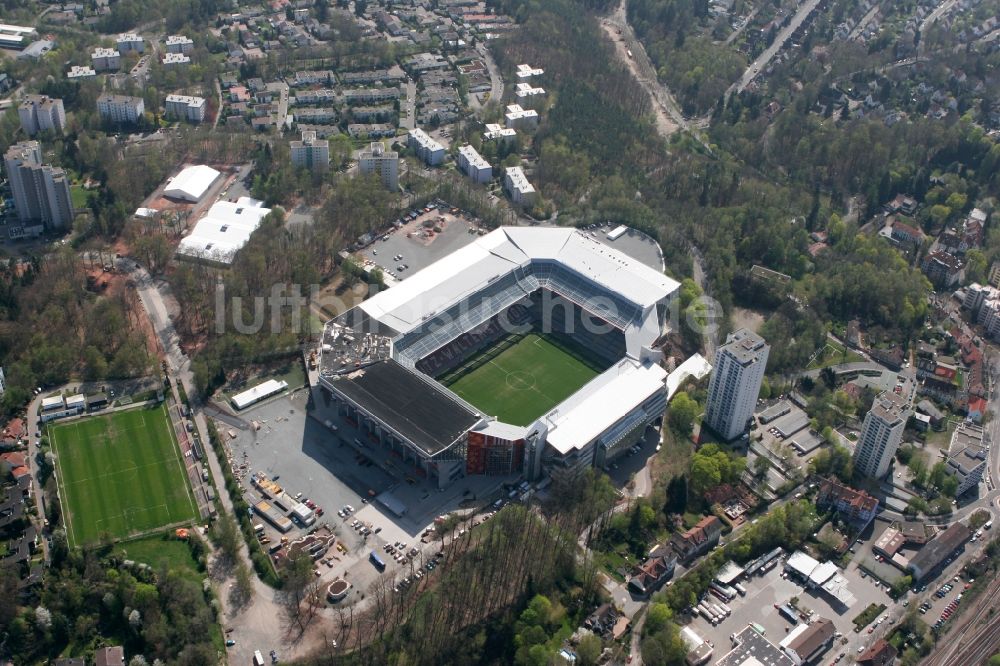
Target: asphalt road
(764,58)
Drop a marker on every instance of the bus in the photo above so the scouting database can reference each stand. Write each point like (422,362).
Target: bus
(377,561)
(617,233)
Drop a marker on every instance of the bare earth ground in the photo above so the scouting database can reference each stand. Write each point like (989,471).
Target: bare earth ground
(665,125)
(745,318)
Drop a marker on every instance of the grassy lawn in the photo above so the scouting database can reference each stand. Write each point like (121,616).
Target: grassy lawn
(79,196)
(120,474)
(867,616)
(834,353)
(164,549)
(521,378)
(292,372)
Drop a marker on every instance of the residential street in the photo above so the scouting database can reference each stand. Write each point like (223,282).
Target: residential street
(755,67)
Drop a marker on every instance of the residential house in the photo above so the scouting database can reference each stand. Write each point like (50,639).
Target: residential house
(110,656)
(943,269)
(654,572)
(880,653)
(855,507)
(698,540)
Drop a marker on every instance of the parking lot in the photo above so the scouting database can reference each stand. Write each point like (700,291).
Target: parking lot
(771,589)
(286,440)
(416,251)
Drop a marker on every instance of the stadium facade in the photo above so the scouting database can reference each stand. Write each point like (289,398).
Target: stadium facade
(381,359)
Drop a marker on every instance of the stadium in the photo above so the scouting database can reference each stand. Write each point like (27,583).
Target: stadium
(529,349)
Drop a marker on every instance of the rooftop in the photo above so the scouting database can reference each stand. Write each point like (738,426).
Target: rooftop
(471,268)
(940,547)
(420,411)
(744,345)
(518,180)
(473,157)
(753,648)
(225,228)
(889,407)
(601,402)
(192,182)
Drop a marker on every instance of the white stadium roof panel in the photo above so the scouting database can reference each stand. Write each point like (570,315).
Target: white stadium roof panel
(599,404)
(471,268)
(191,183)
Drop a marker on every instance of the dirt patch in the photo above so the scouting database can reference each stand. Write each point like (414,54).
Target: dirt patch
(426,228)
(665,125)
(746,318)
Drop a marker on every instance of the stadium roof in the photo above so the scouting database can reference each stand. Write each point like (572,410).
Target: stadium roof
(602,402)
(191,183)
(695,366)
(226,227)
(471,268)
(419,411)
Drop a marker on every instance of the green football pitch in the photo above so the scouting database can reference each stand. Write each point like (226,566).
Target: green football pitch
(520,378)
(120,474)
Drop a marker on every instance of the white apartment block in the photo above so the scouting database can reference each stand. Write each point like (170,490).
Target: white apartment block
(428,150)
(120,108)
(311,153)
(179,44)
(106,60)
(170,59)
(519,118)
(880,435)
(129,41)
(495,132)
(517,186)
(967,456)
(41,193)
(474,165)
(381,161)
(735,384)
(185,107)
(528,95)
(81,72)
(40,113)
(527,71)
(983,304)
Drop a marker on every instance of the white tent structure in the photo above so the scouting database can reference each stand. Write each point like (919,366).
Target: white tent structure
(226,227)
(191,183)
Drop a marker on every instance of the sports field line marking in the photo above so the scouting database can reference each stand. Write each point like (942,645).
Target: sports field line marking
(63,499)
(127,513)
(121,471)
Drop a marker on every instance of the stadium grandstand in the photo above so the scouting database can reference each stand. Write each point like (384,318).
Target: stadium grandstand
(528,349)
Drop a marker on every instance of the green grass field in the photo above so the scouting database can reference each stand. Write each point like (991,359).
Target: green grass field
(121,474)
(520,378)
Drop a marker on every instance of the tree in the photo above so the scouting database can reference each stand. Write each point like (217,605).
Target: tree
(705,474)
(656,618)
(760,467)
(901,585)
(677,495)
(682,413)
(588,651)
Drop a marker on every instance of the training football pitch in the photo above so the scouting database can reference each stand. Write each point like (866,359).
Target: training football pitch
(120,474)
(521,377)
